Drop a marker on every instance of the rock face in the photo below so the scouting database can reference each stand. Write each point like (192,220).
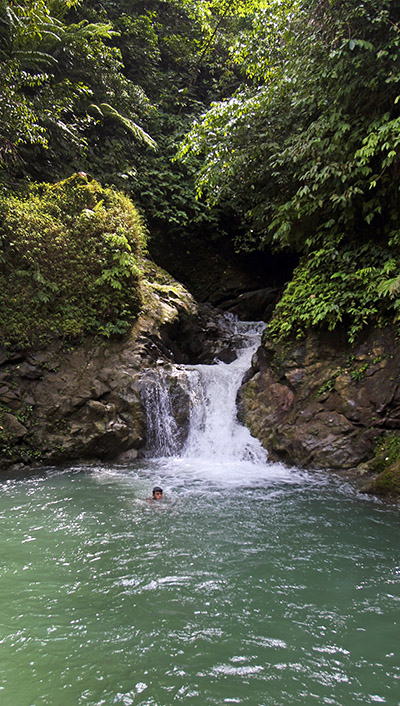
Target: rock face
(82,401)
(322,403)
(68,402)
(319,403)
(257,305)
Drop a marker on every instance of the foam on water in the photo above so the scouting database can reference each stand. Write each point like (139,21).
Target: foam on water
(233,474)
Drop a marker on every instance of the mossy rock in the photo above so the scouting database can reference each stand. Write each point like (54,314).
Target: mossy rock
(386,483)
(70,262)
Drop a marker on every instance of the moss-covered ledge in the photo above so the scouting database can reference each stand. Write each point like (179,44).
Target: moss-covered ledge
(386,483)
(381,474)
(78,397)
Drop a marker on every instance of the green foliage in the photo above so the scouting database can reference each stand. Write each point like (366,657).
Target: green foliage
(387,483)
(315,141)
(333,286)
(69,262)
(298,151)
(312,140)
(93,86)
(162,45)
(61,81)
(76,84)
(386,464)
(307,152)
(104,111)
(388,450)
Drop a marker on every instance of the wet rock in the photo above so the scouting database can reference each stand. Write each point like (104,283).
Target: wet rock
(386,483)
(226,355)
(257,305)
(204,338)
(12,427)
(10,397)
(10,356)
(322,403)
(127,456)
(32,372)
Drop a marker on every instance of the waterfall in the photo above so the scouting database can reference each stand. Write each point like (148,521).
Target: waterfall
(162,429)
(191,409)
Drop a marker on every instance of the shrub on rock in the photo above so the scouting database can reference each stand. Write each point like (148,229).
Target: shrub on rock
(70,261)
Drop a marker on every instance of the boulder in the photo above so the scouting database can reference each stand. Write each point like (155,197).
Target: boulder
(386,483)
(12,427)
(204,337)
(81,400)
(321,402)
(257,305)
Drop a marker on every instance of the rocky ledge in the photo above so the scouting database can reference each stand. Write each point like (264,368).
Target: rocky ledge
(323,403)
(81,400)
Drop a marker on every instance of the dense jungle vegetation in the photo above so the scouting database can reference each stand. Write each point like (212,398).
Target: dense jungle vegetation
(273,123)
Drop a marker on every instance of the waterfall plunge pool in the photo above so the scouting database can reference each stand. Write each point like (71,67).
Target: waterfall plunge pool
(249,584)
(268,588)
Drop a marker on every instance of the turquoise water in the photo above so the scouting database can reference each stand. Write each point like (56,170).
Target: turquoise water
(247,585)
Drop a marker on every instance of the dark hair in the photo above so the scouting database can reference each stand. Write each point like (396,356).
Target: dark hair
(157,489)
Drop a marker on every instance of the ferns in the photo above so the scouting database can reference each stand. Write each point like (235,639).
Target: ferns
(39,104)
(29,32)
(104,111)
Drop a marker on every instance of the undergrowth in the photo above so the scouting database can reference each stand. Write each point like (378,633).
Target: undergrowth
(338,285)
(70,257)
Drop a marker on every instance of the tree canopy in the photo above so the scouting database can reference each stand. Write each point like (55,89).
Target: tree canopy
(307,152)
(111,88)
(284,115)
(313,136)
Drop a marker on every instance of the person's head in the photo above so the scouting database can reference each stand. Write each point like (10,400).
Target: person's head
(157,493)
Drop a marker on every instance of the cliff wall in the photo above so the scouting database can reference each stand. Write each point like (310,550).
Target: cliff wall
(322,403)
(80,399)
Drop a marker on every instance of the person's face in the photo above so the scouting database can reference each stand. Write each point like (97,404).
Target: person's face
(157,495)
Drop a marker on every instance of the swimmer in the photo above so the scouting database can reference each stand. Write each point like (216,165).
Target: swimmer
(157,494)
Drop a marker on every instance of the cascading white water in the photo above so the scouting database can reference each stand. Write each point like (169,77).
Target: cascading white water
(214,430)
(162,429)
(210,391)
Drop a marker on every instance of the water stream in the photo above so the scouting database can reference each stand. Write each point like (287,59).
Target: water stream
(251,583)
(214,432)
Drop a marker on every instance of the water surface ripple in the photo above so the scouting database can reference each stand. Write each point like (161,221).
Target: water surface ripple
(254,585)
